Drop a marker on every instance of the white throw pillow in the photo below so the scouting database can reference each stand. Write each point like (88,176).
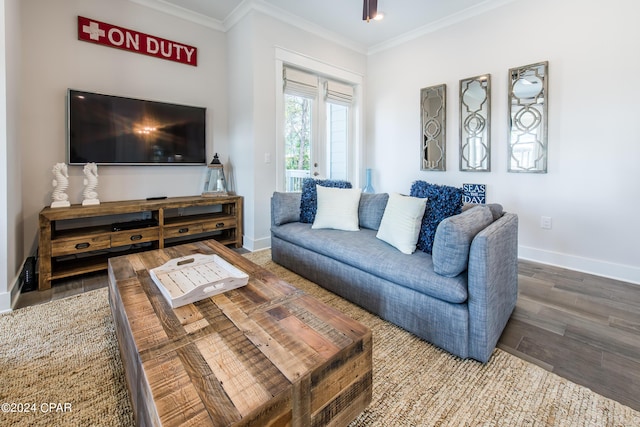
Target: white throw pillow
(401,222)
(337,208)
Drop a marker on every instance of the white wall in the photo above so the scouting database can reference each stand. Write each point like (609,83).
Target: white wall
(241,128)
(591,188)
(10,176)
(54,60)
(252,118)
(4,160)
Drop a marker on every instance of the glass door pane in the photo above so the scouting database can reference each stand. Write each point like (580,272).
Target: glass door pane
(298,139)
(338,140)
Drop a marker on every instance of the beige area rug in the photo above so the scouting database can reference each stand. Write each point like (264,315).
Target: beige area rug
(60,362)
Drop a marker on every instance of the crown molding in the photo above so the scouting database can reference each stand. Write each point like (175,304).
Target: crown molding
(288,18)
(432,27)
(237,14)
(247,6)
(244,9)
(180,12)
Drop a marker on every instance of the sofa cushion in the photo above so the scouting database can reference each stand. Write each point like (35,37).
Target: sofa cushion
(453,239)
(371,209)
(496,208)
(443,201)
(309,200)
(401,221)
(362,250)
(286,208)
(337,208)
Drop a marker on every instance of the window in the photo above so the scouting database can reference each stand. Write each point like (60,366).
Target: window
(318,128)
(297,140)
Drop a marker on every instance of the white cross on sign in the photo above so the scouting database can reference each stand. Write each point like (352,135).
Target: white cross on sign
(94,31)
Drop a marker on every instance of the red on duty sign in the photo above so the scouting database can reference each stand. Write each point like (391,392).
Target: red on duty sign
(105,34)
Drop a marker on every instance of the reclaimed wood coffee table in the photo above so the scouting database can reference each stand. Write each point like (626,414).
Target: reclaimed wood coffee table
(266,354)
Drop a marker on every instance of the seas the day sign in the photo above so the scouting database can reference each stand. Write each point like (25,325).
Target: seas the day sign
(474,193)
(93,31)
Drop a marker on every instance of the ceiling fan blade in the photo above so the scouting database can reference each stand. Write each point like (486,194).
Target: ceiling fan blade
(369,9)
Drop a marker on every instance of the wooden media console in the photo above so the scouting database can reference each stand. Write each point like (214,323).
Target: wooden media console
(80,239)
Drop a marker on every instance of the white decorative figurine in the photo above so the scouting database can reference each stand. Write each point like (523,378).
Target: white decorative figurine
(90,184)
(60,184)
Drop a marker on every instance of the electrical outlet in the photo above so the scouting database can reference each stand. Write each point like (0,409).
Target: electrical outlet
(545,222)
(146,215)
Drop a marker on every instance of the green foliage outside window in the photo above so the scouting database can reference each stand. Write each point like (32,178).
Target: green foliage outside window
(297,130)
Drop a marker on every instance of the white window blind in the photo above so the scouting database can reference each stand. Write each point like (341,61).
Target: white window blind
(338,93)
(298,82)
(302,83)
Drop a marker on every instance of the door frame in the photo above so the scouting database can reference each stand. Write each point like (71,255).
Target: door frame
(284,56)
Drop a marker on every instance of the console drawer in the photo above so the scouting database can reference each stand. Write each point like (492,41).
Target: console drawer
(182,230)
(80,244)
(130,237)
(220,224)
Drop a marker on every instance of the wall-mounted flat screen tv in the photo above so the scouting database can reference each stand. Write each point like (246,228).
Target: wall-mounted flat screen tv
(115,130)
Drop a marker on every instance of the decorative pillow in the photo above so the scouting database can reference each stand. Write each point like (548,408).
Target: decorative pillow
(371,209)
(443,202)
(337,208)
(453,239)
(401,220)
(287,208)
(309,201)
(496,208)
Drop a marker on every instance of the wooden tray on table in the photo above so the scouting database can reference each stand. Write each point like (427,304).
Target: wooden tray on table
(192,278)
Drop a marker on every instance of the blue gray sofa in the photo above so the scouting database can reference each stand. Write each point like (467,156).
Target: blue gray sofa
(462,312)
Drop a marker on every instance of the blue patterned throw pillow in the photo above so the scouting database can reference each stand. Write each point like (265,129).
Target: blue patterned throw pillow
(309,200)
(443,201)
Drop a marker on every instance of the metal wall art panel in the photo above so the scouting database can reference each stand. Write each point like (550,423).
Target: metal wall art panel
(528,106)
(432,123)
(475,124)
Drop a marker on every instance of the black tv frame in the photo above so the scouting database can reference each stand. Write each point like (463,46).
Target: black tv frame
(140,104)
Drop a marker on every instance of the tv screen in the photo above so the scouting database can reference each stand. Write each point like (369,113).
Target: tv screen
(115,130)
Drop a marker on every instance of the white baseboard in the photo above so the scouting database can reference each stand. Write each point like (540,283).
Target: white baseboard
(257,244)
(9,299)
(626,273)
(5,302)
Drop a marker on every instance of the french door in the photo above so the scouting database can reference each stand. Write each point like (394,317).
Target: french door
(318,130)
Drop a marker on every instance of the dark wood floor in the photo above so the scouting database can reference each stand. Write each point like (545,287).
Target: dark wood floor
(582,327)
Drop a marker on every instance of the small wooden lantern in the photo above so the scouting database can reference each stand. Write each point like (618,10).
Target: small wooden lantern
(214,184)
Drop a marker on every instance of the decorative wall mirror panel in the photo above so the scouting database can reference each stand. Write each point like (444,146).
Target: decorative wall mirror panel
(475,124)
(432,122)
(528,118)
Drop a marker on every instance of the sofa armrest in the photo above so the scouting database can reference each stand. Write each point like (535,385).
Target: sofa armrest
(492,284)
(285,207)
